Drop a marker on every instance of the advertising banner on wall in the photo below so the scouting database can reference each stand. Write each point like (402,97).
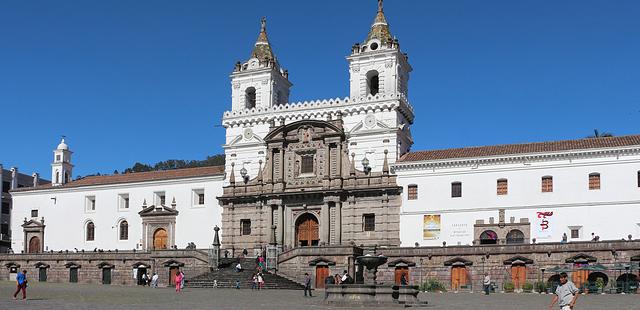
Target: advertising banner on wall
(431,227)
(544,224)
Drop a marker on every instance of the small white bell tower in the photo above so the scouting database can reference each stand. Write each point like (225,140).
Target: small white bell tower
(61,168)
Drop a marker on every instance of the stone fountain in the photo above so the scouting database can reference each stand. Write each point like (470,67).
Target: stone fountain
(371,293)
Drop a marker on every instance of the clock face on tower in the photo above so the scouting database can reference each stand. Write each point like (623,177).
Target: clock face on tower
(370,120)
(248,133)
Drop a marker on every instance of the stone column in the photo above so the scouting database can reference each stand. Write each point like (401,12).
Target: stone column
(324,228)
(280,226)
(338,224)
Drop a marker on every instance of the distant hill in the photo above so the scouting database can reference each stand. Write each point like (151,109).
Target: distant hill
(215,160)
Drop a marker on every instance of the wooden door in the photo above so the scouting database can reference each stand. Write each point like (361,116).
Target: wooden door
(321,273)
(458,277)
(106,275)
(42,274)
(73,275)
(307,231)
(518,276)
(579,277)
(160,239)
(398,274)
(172,275)
(34,245)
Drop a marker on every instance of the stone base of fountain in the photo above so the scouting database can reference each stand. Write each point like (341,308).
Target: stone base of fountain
(371,295)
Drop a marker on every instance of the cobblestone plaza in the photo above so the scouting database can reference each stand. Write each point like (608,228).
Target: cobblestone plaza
(89,296)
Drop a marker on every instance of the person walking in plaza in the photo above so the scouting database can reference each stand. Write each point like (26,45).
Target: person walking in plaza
(154,280)
(566,294)
(307,284)
(21,282)
(403,279)
(182,280)
(254,282)
(486,283)
(178,281)
(328,280)
(260,281)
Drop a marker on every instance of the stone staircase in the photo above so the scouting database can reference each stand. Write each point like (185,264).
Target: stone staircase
(227,276)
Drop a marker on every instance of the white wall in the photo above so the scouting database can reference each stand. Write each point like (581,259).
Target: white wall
(612,212)
(65,216)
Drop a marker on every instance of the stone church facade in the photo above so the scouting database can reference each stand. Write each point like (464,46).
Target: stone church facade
(311,193)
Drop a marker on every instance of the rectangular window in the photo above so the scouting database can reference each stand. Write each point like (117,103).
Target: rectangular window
(369,222)
(306,165)
(502,187)
(159,198)
(34,213)
(547,184)
(594,181)
(575,233)
(6,209)
(6,186)
(245,227)
(638,178)
(4,229)
(198,197)
(90,203)
(57,158)
(412,192)
(123,201)
(456,189)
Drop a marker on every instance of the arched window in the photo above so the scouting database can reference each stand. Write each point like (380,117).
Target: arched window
(456,189)
(488,237)
(515,236)
(594,181)
(250,98)
(638,178)
(57,176)
(373,83)
(91,231)
(124,230)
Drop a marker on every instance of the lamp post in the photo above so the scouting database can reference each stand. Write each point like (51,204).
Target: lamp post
(544,286)
(626,279)
(483,274)
(421,262)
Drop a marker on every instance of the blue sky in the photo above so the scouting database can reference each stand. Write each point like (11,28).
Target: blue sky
(146,81)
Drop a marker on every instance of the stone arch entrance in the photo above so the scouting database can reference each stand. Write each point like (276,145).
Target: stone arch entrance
(627,282)
(307,230)
(34,244)
(459,277)
(160,238)
(593,277)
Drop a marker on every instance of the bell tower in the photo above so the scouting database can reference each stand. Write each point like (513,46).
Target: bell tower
(259,81)
(61,168)
(377,66)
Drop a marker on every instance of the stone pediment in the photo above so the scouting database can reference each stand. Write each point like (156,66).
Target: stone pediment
(72,265)
(304,131)
(321,261)
(41,265)
(458,261)
(105,265)
(635,258)
(173,263)
(33,224)
(401,263)
(12,265)
(518,260)
(248,137)
(581,259)
(158,211)
(141,265)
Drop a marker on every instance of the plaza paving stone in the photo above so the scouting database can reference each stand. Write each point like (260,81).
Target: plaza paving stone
(89,296)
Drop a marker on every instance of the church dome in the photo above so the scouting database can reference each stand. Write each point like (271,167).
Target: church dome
(62,145)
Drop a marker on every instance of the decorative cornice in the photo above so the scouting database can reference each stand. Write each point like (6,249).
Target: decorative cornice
(524,159)
(319,108)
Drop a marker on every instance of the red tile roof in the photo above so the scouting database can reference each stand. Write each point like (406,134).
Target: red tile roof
(136,177)
(526,148)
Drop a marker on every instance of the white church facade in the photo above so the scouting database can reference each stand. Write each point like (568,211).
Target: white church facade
(520,193)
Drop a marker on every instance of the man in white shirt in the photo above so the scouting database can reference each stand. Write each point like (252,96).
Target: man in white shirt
(566,294)
(154,280)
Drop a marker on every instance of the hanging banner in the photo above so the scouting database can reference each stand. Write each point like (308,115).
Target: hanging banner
(431,227)
(544,228)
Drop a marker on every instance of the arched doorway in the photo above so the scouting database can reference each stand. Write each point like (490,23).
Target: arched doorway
(34,245)
(627,282)
(160,237)
(515,236)
(580,275)
(593,277)
(307,230)
(553,282)
(459,277)
(488,237)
